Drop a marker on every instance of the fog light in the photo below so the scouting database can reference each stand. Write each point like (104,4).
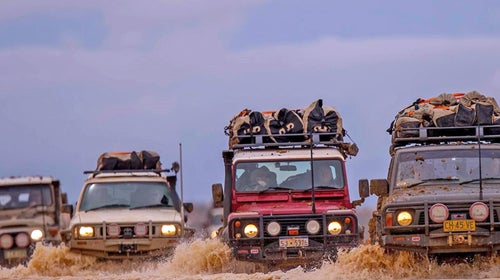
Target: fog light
(438,213)
(113,230)
(22,240)
(312,226)
(479,211)
(6,241)
(273,228)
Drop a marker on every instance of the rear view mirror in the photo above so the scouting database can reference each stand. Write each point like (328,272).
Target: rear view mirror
(217,195)
(364,188)
(189,207)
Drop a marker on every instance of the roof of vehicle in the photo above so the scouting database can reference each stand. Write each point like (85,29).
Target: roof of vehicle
(283,154)
(23,180)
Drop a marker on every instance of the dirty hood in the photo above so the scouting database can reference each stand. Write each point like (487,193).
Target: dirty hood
(126,216)
(442,193)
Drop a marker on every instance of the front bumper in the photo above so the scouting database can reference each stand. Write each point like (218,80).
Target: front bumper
(124,248)
(442,243)
(271,252)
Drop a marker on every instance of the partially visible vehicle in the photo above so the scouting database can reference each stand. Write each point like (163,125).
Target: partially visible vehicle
(285,196)
(214,221)
(32,209)
(129,208)
(441,196)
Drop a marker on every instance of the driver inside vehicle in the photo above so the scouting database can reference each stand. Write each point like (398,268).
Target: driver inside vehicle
(261,178)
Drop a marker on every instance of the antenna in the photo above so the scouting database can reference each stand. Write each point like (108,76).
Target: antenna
(181,184)
(479,132)
(313,194)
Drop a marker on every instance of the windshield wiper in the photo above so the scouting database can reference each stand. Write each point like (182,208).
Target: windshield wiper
(275,188)
(108,206)
(321,187)
(151,206)
(429,180)
(477,179)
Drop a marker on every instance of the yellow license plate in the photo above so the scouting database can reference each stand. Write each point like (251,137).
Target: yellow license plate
(459,225)
(291,242)
(15,254)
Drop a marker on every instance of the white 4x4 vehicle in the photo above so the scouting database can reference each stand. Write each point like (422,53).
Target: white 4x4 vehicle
(128,208)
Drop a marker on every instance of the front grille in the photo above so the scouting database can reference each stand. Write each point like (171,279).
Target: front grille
(293,221)
(126,231)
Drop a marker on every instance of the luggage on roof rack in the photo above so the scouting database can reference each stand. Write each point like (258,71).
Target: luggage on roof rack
(447,117)
(129,161)
(285,127)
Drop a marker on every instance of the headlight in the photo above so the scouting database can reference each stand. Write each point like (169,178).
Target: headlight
(168,230)
(404,218)
(478,211)
(273,228)
(251,230)
(213,234)
(36,235)
(312,226)
(438,213)
(22,240)
(83,232)
(334,227)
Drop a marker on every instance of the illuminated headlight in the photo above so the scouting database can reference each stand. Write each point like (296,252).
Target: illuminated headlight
(479,211)
(22,240)
(36,235)
(273,228)
(334,227)
(6,241)
(251,230)
(213,234)
(312,226)
(168,230)
(438,213)
(404,218)
(83,232)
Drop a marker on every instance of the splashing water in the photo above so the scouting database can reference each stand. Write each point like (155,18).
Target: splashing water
(212,259)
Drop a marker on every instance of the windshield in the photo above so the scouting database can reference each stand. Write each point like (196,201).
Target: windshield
(288,175)
(24,196)
(127,195)
(446,167)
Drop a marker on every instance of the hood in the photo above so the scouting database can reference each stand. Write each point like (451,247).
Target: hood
(293,203)
(126,216)
(442,193)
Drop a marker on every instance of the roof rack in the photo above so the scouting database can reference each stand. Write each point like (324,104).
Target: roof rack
(423,135)
(318,139)
(157,171)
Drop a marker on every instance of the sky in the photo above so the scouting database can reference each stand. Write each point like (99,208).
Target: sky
(80,78)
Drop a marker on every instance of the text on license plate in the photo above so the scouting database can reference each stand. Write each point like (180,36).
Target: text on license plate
(459,225)
(15,254)
(298,241)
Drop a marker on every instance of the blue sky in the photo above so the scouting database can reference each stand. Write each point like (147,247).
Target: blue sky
(80,78)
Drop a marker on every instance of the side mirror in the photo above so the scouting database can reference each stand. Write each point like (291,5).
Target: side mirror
(68,209)
(364,188)
(379,187)
(363,193)
(188,206)
(64,198)
(217,194)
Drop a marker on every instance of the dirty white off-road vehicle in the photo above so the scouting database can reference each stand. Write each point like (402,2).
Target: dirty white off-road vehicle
(32,209)
(128,208)
(442,193)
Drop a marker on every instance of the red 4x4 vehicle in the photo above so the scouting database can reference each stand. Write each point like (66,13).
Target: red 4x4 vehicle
(288,202)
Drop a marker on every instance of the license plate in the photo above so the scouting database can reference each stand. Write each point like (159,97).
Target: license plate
(291,242)
(459,225)
(15,254)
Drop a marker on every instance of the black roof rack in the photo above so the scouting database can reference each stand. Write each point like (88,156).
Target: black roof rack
(157,171)
(431,135)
